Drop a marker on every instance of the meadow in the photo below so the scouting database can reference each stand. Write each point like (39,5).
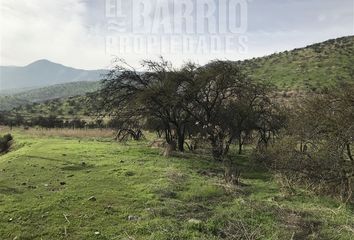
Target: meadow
(75,185)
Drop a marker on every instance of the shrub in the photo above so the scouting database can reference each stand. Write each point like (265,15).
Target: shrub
(5,142)
(321,167)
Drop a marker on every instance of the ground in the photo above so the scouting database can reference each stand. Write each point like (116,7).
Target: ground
(57,187)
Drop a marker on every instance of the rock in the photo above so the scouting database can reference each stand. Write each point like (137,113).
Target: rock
(169,148)
(92,198)
(194,221)
(10,220)
(129,173)
(97,233)
(108,209)
(133,218)
(46,185)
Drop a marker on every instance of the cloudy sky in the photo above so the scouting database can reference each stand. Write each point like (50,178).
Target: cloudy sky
(84,34)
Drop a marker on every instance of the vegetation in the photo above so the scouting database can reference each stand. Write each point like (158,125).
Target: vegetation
(81,188)
(216,102)
(242,162)
(28,97)
(5,143)
(316,147)
(315,67)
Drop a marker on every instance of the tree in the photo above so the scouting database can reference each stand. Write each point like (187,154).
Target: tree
(317,144)
(217,102)
(225,103)
(225,106)
(127,93)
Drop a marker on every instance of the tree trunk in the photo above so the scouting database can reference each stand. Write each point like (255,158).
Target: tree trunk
(350,153)
(217,150)
(240,147)
(168,135)
(181,144)
(181,139)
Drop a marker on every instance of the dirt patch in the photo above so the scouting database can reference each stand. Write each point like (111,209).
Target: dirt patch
(9,190)
(211,172)
(300,225)
(76,167)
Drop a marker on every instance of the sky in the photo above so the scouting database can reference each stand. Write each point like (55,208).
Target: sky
(89,34)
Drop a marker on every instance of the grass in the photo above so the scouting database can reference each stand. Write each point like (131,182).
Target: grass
(79,187)
(72,133)
(315,67)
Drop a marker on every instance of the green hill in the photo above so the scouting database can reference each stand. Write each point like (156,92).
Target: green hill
(47,93)
(313,67)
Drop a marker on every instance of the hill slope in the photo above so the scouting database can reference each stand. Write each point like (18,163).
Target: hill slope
(44,73)
(47,93)
(313,67)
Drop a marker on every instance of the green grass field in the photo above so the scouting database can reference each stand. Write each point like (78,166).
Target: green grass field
(86,188)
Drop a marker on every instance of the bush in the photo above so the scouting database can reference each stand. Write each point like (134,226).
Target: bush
(320,168)
(5,142)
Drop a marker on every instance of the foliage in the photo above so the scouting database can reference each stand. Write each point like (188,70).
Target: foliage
(182,197)
(313,68)
(5,142)
(40,95)
(316,148)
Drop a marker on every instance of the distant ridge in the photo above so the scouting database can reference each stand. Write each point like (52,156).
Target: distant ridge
(43,73)
(65,90)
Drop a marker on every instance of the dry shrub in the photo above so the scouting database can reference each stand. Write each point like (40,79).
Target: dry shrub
(320,168)
(75,133)
(238,230)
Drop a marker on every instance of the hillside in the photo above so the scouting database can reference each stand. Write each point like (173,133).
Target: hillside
(43,73)
(313,67)
(70,107)
(47,93)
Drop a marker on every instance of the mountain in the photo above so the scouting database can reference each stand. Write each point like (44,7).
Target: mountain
(314,67)
(43,73)
(39,95)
